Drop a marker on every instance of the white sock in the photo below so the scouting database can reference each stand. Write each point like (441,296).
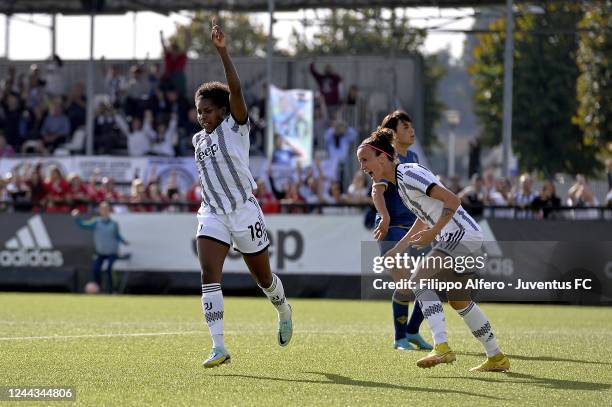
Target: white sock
(433,313)
(480,327)
(212,306)
(276,295)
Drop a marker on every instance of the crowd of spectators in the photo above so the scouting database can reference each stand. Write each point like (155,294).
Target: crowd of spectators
(489,195)
(147,112)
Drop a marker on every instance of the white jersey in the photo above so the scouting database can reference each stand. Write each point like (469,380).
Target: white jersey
(222,158)
(414,182)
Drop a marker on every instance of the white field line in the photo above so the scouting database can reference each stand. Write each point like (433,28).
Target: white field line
(557,333)
(27,338)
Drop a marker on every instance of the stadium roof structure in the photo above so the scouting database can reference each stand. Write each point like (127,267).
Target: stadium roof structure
(166,6)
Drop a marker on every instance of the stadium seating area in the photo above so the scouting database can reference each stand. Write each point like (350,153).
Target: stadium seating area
(146,112)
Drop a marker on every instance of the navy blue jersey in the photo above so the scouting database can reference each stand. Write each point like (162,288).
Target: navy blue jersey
(400,215)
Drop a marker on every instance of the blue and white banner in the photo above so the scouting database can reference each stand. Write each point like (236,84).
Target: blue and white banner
(290,135)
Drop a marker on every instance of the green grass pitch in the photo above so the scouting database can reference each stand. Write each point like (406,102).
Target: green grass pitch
(148,350)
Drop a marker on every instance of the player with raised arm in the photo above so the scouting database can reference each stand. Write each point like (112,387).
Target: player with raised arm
(229,213)
(440,218)
(393,220)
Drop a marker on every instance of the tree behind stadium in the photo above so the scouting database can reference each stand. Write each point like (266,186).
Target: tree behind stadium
(246,38)
(544,137)
(595,81)
(370,31)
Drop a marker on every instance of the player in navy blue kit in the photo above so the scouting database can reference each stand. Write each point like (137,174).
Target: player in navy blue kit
(393,220)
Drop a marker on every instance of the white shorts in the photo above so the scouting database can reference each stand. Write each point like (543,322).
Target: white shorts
(461,242)
(245,228)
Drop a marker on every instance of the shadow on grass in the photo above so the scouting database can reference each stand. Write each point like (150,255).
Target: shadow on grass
(332,378)
(546,382)
(540,358)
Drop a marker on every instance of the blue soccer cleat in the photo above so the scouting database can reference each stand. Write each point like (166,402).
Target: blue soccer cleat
(217,357)
(403,344)
(285,329)
(419,341)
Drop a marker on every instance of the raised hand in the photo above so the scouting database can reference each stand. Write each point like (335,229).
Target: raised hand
(217,35)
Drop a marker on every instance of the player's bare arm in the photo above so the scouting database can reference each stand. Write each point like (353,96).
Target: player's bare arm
(237,105)
(378,197)
(451,203)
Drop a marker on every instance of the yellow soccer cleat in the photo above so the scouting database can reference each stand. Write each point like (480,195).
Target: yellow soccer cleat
(441,353)
(497,363)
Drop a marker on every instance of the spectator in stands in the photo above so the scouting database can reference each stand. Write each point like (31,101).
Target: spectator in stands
(106,132)
(472,196)
(54,78)
(92,186)
(107,191)
(175,61)
(113,84)
(524,196)
(138,135)
(174,103)
(138,197)
(9,83)
(56,127)
(154,78)
(136,92)
(35,90)
(4,196)
(155,195)
(56,191)
(31,126)
(488,184)
(6,150)
(335,197)
(11,115)
(580,195)
(107,238)
(352,96)
(358,191)
(194,195)
(291,195)
(329,86)
(37,187)
(172,187)
(609,198)
(76,106)
(77,193)
(338,141)
(547,200)
(164,136)
(455,184)
(19,192)
(267,201)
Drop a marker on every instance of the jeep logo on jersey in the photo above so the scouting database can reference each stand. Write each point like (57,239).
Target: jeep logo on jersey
(207,152)
(31,247)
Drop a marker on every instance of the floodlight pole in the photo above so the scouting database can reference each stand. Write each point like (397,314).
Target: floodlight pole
(53,30)
(90,87)
(269,55)
(7,35)
(508,67)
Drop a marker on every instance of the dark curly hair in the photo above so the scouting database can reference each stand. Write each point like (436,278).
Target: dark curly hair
(217,92)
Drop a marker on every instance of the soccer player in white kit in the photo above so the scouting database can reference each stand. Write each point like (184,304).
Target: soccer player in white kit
(440,218)
(229,213)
